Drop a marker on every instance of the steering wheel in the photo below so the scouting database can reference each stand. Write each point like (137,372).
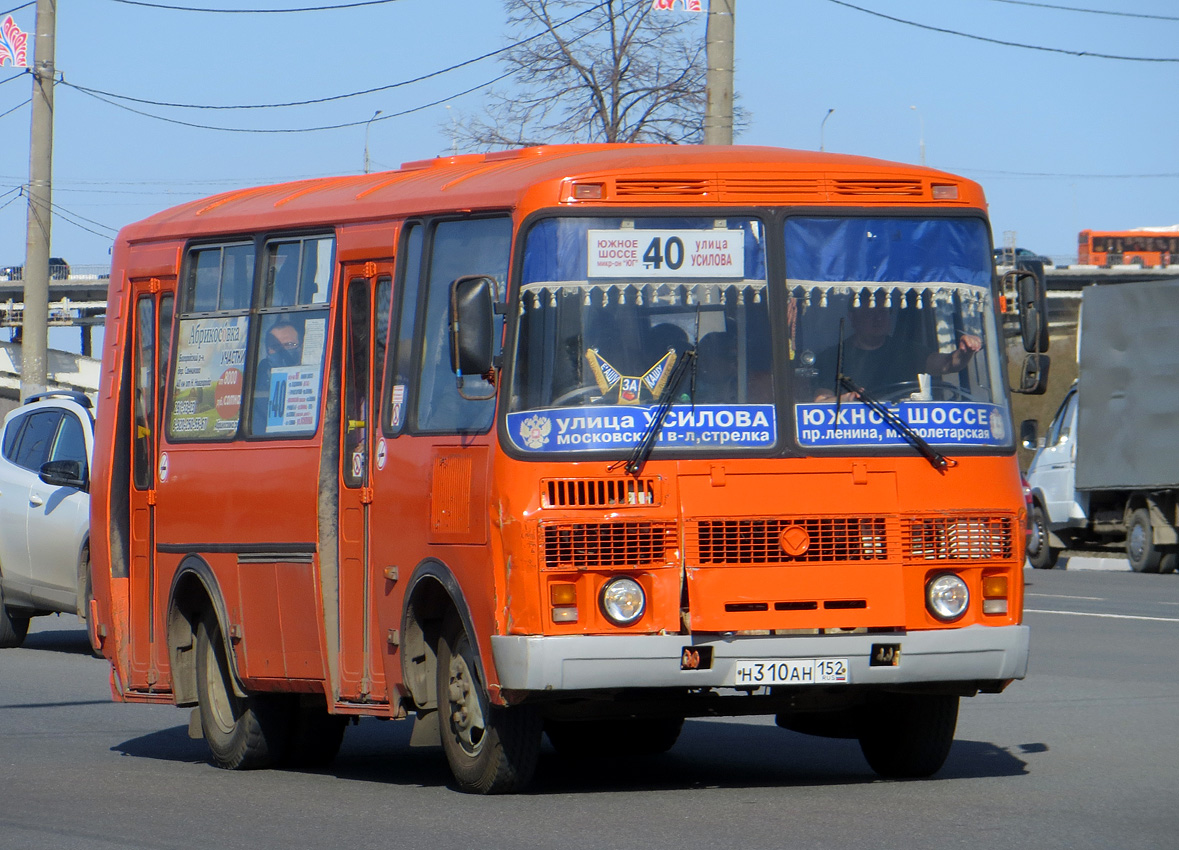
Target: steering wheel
(901,390)
(576,393)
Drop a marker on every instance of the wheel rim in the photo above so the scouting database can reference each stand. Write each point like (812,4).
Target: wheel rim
(1137,542)
(221,702)
(466,708)
(1036,538)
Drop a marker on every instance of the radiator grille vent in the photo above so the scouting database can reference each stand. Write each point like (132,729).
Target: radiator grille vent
(879,188)
(756,188)
(654,186)
(606,545)
(598,492)
(758,541)
(958,538)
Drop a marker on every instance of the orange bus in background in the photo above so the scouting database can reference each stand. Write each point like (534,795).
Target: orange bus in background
(570,441)
(1148,247)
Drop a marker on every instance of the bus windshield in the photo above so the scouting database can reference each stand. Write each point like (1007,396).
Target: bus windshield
(609,306)
(901,308)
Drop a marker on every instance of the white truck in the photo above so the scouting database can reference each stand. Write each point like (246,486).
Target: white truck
(1107,469)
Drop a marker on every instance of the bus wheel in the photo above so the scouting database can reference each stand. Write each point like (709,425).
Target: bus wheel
(1041,555)
(908,736)
(242,732)
(633,736)
(490,749)
(12,629)
(315,736)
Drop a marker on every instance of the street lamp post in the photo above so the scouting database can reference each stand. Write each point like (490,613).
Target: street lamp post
(921,141)
(368,124)
(822,125)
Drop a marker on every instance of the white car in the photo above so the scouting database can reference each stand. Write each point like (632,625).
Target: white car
(45,450)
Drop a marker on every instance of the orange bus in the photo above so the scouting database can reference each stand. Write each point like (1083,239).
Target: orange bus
(1148,247)
(574,441)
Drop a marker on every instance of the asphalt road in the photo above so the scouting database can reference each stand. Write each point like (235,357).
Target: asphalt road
(1081,754)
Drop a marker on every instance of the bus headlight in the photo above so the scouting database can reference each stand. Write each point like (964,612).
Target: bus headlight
(946,597)
(623,601)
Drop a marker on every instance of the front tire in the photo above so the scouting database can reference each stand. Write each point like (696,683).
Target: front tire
(243,733)
(908,736)
(1144,556)
(12,629)
(1041,555)
(490,749)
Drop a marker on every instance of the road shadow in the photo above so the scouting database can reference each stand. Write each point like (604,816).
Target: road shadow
(71,641)
(708,755)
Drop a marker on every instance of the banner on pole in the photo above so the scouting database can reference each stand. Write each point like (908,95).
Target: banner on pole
(13,43)
(670,5)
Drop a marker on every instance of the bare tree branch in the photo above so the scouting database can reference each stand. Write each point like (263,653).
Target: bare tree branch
(604,71)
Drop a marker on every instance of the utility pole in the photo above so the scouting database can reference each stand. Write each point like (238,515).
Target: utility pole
(35,321)
(718,113)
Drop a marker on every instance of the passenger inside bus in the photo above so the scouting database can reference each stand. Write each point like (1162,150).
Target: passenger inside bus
(879,360)
(284,347)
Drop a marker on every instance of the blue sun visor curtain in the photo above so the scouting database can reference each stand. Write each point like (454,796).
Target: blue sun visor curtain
(888,250)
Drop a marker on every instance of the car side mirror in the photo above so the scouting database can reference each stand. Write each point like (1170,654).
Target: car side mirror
(1028,434)
(472,329)
(64,473)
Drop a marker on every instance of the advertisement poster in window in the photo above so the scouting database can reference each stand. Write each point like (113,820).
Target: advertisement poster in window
(206,403)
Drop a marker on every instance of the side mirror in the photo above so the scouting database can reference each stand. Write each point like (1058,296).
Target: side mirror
(1033,378)
(472,328)
(1032,303)
(1028,434)
(64,473)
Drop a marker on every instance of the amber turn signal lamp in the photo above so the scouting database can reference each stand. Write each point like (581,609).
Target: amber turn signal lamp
(994,590)
(564,601)
(587,191)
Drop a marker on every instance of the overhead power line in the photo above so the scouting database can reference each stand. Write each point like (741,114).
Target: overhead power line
(18,8)
(172,8)
(1084,53)
(1088,11)
(383,117)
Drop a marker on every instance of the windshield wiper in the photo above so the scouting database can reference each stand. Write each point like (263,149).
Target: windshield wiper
(936,459)
(646,443)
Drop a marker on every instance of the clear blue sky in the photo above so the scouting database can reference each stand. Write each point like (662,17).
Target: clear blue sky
(1060,142)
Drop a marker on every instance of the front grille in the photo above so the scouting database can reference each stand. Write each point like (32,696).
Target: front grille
(598,492)
(758,541)
(606,545)
(968,538)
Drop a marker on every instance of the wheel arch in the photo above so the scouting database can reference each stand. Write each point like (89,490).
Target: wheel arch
(194,592)
(433,593)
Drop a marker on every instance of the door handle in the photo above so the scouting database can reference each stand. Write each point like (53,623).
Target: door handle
(36,501)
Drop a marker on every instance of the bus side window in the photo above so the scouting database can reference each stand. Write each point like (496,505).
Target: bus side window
(474,246)
(409,273)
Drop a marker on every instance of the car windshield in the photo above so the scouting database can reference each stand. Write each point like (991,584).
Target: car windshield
(901,308)
(610,306)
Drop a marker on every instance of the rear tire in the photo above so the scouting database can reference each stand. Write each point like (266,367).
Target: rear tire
(243,733)
(908,736)
(490,749)
(12,629)
(633,736)
(1041,555)
(1144,556)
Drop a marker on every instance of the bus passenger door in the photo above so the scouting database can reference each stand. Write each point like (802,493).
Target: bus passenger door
(151,342)
(366,312)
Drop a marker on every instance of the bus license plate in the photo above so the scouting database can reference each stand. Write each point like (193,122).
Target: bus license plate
(799,671)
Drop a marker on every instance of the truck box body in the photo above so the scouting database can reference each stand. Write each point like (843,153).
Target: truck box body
(1128,387)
